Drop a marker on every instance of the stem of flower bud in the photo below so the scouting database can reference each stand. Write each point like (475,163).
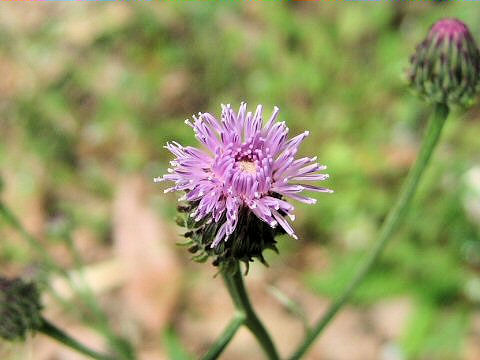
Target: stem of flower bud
(389,226)
(54,332)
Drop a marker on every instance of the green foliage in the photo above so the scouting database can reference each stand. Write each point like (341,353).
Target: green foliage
(432,333)
(382,282)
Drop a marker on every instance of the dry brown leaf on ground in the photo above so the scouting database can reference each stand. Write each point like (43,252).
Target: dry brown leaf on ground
(144,246)
(389,317)
(472,344)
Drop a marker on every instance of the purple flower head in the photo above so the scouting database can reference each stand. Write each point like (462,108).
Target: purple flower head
(243,165)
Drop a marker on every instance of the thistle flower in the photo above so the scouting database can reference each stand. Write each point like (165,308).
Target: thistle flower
(20,308)
(445,67)
(239,185)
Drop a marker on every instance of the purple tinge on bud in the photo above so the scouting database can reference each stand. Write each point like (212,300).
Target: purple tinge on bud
(445,67)
(452,28)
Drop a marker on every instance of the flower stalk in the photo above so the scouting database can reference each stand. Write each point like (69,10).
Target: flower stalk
(236,288)
(54,332)
(390,225)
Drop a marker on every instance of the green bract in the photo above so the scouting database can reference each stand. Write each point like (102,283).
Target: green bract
(250,238)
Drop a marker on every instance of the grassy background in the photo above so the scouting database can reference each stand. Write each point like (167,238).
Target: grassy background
(90,94)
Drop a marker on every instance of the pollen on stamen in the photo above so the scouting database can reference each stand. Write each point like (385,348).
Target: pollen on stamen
(248,167)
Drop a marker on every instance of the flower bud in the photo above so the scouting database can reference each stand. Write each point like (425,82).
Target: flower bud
(445,67)
(20,308)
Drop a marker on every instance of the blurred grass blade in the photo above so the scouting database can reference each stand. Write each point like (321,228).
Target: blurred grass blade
(290,305)
(174,347)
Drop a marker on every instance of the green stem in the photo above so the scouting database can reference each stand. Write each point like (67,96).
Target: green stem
(54,332)
(390,225)
(239,295)
(217,348)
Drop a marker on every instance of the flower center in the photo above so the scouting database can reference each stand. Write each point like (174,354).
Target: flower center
(247,166)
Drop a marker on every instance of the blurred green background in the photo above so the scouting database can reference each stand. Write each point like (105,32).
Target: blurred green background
(89,94)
